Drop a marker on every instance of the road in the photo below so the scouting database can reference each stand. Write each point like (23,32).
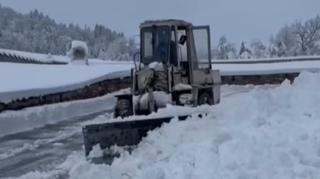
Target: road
(44,148)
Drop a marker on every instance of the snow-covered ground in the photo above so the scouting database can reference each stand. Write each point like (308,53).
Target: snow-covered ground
(262,134)
(28,76)
(25,80)
(54,137)
(29,118)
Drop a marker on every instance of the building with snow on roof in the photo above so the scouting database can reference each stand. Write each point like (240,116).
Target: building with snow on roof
(79,52)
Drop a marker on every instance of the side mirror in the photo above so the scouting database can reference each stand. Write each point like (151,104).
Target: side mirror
(182,39)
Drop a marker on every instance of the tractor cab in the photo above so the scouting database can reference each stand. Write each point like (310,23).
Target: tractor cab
(177,44)
(174,67)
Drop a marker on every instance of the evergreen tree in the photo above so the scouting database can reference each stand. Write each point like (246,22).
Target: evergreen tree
(36,32)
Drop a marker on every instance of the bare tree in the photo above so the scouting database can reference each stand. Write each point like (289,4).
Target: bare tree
(285,43)
(300,38)
(259,50)
(307,34)
(225,50)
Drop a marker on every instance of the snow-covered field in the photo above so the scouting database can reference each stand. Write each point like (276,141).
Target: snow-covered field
(262,134)
(25,80)
(28,76)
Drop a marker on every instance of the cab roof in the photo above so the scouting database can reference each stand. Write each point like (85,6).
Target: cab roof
(166,22)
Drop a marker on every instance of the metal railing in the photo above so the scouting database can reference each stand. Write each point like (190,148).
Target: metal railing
(267,60)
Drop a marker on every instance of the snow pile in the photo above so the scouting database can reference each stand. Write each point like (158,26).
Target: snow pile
(156,66)
(266,133)
(161,100)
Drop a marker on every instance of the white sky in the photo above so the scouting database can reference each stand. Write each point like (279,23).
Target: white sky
(237,19)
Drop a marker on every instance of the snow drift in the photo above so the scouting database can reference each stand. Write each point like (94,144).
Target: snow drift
(266,133)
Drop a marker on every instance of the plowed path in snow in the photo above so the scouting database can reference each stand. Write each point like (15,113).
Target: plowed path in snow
(43,148)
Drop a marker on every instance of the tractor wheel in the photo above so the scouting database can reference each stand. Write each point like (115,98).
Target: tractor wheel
(205,98)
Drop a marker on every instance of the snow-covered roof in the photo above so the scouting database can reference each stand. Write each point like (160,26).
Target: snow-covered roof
(29,57)
(166,22)
(79,44)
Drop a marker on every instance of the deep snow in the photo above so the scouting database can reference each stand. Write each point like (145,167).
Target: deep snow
(263,134)
(47,140)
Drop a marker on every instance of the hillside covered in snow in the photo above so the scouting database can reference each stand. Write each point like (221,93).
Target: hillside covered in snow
(38,33)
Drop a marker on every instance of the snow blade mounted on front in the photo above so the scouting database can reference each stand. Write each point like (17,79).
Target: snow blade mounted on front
(120,133)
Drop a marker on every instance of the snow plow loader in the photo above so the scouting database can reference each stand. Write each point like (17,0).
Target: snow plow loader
(173,67)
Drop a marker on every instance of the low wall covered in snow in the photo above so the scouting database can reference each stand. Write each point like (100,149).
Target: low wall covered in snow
(104,86)
(96,89)
(258,79)
(103,79)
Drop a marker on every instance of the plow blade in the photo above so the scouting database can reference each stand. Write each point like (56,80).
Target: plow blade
(121,133)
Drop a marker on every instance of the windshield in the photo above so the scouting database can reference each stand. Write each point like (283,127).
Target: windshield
(155,44)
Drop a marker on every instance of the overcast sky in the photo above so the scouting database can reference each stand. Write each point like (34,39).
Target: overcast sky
(237,19)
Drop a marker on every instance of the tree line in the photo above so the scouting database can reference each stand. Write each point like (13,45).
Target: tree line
(297,39)
(36,32)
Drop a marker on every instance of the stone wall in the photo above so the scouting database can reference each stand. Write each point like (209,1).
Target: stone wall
(258,79)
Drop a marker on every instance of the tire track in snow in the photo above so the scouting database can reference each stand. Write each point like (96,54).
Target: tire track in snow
(43,148)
